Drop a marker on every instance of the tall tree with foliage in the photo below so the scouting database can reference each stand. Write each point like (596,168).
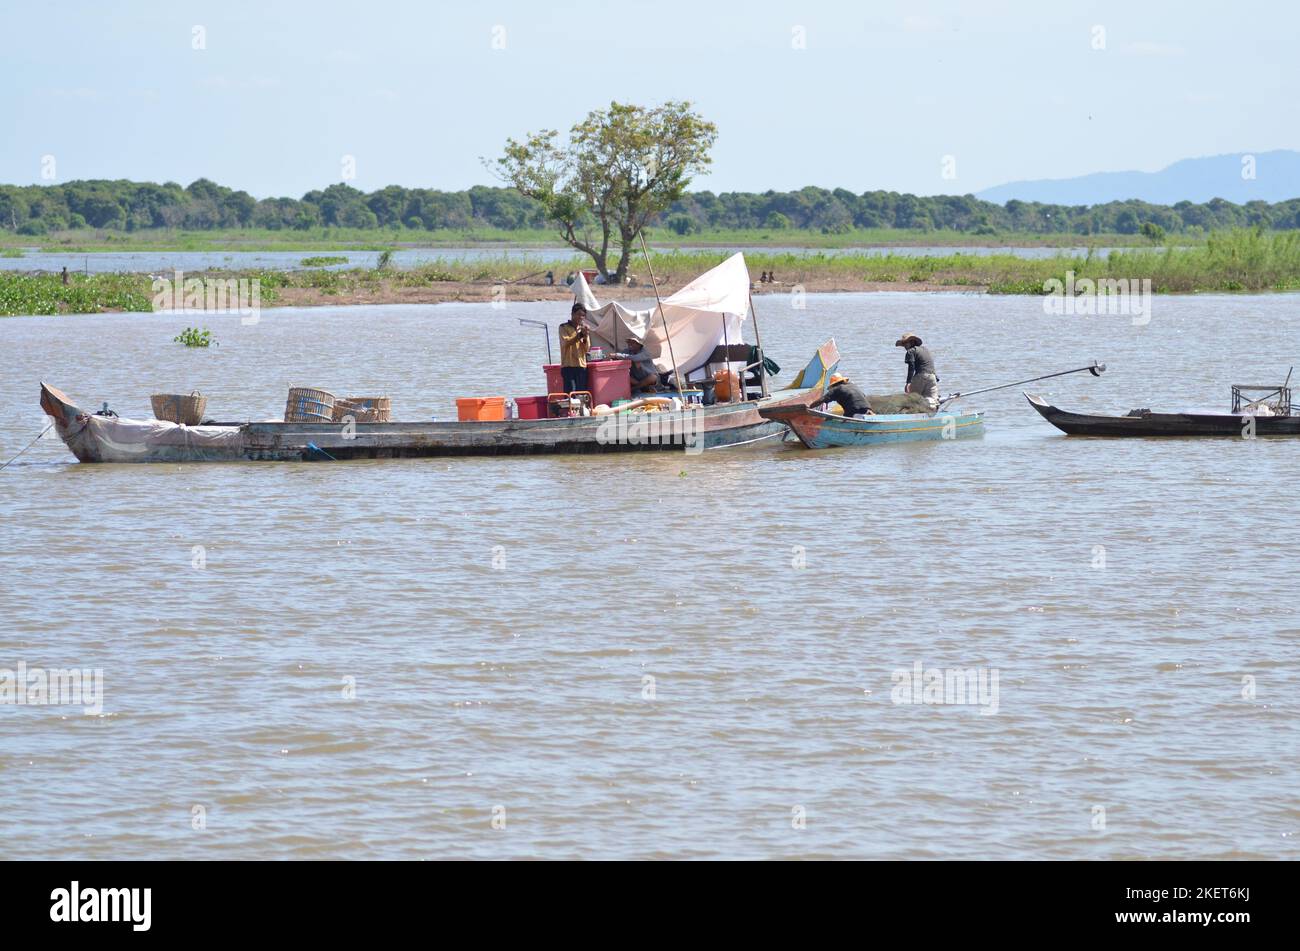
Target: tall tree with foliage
(621,167)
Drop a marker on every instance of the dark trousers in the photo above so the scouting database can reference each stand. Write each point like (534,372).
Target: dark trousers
(575,378)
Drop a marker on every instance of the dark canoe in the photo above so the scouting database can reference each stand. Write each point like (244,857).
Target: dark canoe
(95,438)
(1166,424)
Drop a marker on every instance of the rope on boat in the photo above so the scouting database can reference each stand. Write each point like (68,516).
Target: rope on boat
(30,444)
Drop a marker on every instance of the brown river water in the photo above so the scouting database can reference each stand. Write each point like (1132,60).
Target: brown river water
(658,655)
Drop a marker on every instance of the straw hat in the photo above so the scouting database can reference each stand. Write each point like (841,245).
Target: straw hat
(837,378)
(908,339)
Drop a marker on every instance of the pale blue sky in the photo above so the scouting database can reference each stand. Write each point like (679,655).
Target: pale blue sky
(416,91)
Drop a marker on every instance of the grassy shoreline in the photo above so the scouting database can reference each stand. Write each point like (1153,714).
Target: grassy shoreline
(90,241)
(1241,261)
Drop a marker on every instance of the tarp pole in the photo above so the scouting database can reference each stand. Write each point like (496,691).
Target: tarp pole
(667,336)
(726,360)
(758,341)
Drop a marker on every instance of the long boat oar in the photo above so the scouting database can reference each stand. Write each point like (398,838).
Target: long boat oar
(1096,369)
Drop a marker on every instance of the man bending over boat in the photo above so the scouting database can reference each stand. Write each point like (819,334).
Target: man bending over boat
(643,372)
(849,395)
(575,341)
(922,378)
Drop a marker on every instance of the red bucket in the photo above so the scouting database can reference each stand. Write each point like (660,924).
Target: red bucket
(531,407)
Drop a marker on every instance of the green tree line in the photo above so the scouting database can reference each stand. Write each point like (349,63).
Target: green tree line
(204,205)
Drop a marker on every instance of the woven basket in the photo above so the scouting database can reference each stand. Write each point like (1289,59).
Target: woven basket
(309,406)
(177,408)
(364,409)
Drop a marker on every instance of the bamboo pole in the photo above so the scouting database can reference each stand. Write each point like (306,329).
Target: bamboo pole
(726,361)
(758,342)
(667,336)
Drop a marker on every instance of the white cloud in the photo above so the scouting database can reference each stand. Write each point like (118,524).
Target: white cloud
(243,82)
(1148,48)
(925,24)
(84,93)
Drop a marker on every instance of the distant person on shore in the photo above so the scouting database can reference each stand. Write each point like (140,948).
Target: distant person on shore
(575,341)
(922,378)
(550,278)
(643,373)
(849,395)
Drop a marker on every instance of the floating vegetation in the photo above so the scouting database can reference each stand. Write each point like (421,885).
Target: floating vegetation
(193,337)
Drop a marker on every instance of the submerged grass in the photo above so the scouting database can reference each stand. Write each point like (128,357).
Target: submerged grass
(47,294)
(91,240)
(1242,260)
(1232,261)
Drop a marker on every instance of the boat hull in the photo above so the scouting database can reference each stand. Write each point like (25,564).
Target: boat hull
(94,438)
(1152,425)
(819,430)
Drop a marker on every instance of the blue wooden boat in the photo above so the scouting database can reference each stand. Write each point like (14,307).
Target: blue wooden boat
(820,430)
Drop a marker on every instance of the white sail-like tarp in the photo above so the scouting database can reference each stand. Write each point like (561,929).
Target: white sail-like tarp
(701,316)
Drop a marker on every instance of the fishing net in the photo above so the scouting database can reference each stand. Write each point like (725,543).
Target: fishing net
(891,404)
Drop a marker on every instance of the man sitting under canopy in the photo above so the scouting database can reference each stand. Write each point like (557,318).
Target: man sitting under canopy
(691,324)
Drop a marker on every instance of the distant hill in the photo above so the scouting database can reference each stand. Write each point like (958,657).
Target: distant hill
(1277,178)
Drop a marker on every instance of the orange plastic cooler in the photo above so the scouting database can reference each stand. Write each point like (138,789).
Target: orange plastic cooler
(479,408)
(608,380)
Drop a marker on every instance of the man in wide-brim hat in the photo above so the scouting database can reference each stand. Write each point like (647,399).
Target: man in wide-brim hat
(922,378)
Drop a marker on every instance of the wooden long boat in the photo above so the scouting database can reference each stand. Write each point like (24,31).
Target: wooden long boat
(93,437)
(1147,424)
(821,430)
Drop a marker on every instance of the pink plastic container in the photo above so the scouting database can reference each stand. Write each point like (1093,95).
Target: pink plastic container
(531,407)
(554,378)
(609,380)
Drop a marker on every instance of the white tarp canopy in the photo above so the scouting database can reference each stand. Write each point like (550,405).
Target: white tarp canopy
(704,314)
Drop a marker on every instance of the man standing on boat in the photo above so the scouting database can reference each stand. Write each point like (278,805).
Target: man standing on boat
(922,378)
(575,341)
(849,395)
